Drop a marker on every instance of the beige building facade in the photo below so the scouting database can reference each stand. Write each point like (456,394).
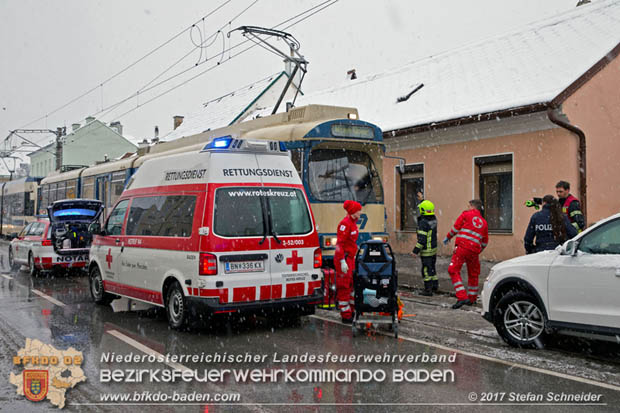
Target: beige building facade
(506,158)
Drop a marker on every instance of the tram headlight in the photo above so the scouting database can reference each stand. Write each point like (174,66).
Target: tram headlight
(352,116)
(330,242)
(383,238)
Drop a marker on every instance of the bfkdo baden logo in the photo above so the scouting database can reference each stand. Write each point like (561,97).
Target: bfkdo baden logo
(35,384)
(48,372)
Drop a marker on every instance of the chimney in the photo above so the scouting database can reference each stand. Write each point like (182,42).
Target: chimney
(75,126)
(178,119)
(143,147)
(89,119)
(155,135)
(351,74)
(117,127)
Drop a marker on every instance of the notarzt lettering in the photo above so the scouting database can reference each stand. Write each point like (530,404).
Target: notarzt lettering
(181,175)
(257,172)
(70,258)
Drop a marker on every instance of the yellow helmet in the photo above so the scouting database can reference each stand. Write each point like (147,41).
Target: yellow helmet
(426,208)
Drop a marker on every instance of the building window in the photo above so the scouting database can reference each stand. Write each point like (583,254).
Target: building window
(495,185)
(411,182)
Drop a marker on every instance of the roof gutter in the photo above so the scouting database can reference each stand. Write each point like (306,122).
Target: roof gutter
(499,114)
(554,116)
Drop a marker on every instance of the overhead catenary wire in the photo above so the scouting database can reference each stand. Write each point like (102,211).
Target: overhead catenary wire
(331,2)
(202,45)
(314,9)
(126,68)
(149,86)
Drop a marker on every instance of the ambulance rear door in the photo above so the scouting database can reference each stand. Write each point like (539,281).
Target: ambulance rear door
(239,237)
(292,236)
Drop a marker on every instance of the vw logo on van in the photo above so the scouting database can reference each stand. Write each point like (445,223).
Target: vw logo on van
(279,258)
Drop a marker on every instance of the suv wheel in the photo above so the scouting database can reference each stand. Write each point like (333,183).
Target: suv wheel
(12,264)
(32,269)
(520,320)
(96,288)
(176,307)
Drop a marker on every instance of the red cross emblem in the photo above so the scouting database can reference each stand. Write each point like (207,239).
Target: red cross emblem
(294,260)
(477,221)
(108,258)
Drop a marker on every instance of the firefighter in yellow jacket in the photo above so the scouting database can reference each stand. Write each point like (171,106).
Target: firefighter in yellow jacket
(426,246)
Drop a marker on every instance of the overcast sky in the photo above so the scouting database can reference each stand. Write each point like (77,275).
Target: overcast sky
(54,51)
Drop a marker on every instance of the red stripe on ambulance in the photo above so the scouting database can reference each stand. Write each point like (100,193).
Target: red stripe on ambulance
(135,292)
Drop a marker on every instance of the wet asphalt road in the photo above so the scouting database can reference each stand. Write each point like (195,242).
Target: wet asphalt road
(70,319)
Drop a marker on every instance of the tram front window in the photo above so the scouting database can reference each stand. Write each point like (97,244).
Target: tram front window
(337,175)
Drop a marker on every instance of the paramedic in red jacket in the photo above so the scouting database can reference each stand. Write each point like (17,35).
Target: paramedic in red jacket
(472,236)
(344,259)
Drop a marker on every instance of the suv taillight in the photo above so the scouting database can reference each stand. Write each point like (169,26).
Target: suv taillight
(318,258)
(46,243)
(207,264)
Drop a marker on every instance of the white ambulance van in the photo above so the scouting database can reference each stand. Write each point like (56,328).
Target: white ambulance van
(220,229)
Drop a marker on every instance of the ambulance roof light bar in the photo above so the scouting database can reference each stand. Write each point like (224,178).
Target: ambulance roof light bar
(230,143)
(219,143)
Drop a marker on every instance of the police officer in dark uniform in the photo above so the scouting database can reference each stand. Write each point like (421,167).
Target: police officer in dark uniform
(426,246)
(549,226)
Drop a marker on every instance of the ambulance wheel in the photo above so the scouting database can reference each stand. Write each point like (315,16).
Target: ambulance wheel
(520,320)
(12,264)
(32,269)
(96,288)
(176,307)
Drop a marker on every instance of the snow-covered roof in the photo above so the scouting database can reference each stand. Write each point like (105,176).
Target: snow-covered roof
(530,65)
(234,107)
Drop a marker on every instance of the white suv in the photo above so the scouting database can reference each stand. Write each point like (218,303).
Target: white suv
(573,290)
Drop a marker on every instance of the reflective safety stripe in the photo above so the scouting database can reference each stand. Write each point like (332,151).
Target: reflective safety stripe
(422,232)
(434,278)
(477,241)
(341,303)
(477,234)
(572,214)
(474,288)
(428,253)
(576,225)
(345,309)
(456,284)
(457,289)
(418,245)
(484,245)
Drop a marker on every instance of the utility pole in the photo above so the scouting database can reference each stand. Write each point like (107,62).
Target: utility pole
(7,153)
(59,133)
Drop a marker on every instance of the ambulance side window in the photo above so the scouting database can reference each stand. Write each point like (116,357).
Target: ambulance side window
(161,216)
(114,225)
